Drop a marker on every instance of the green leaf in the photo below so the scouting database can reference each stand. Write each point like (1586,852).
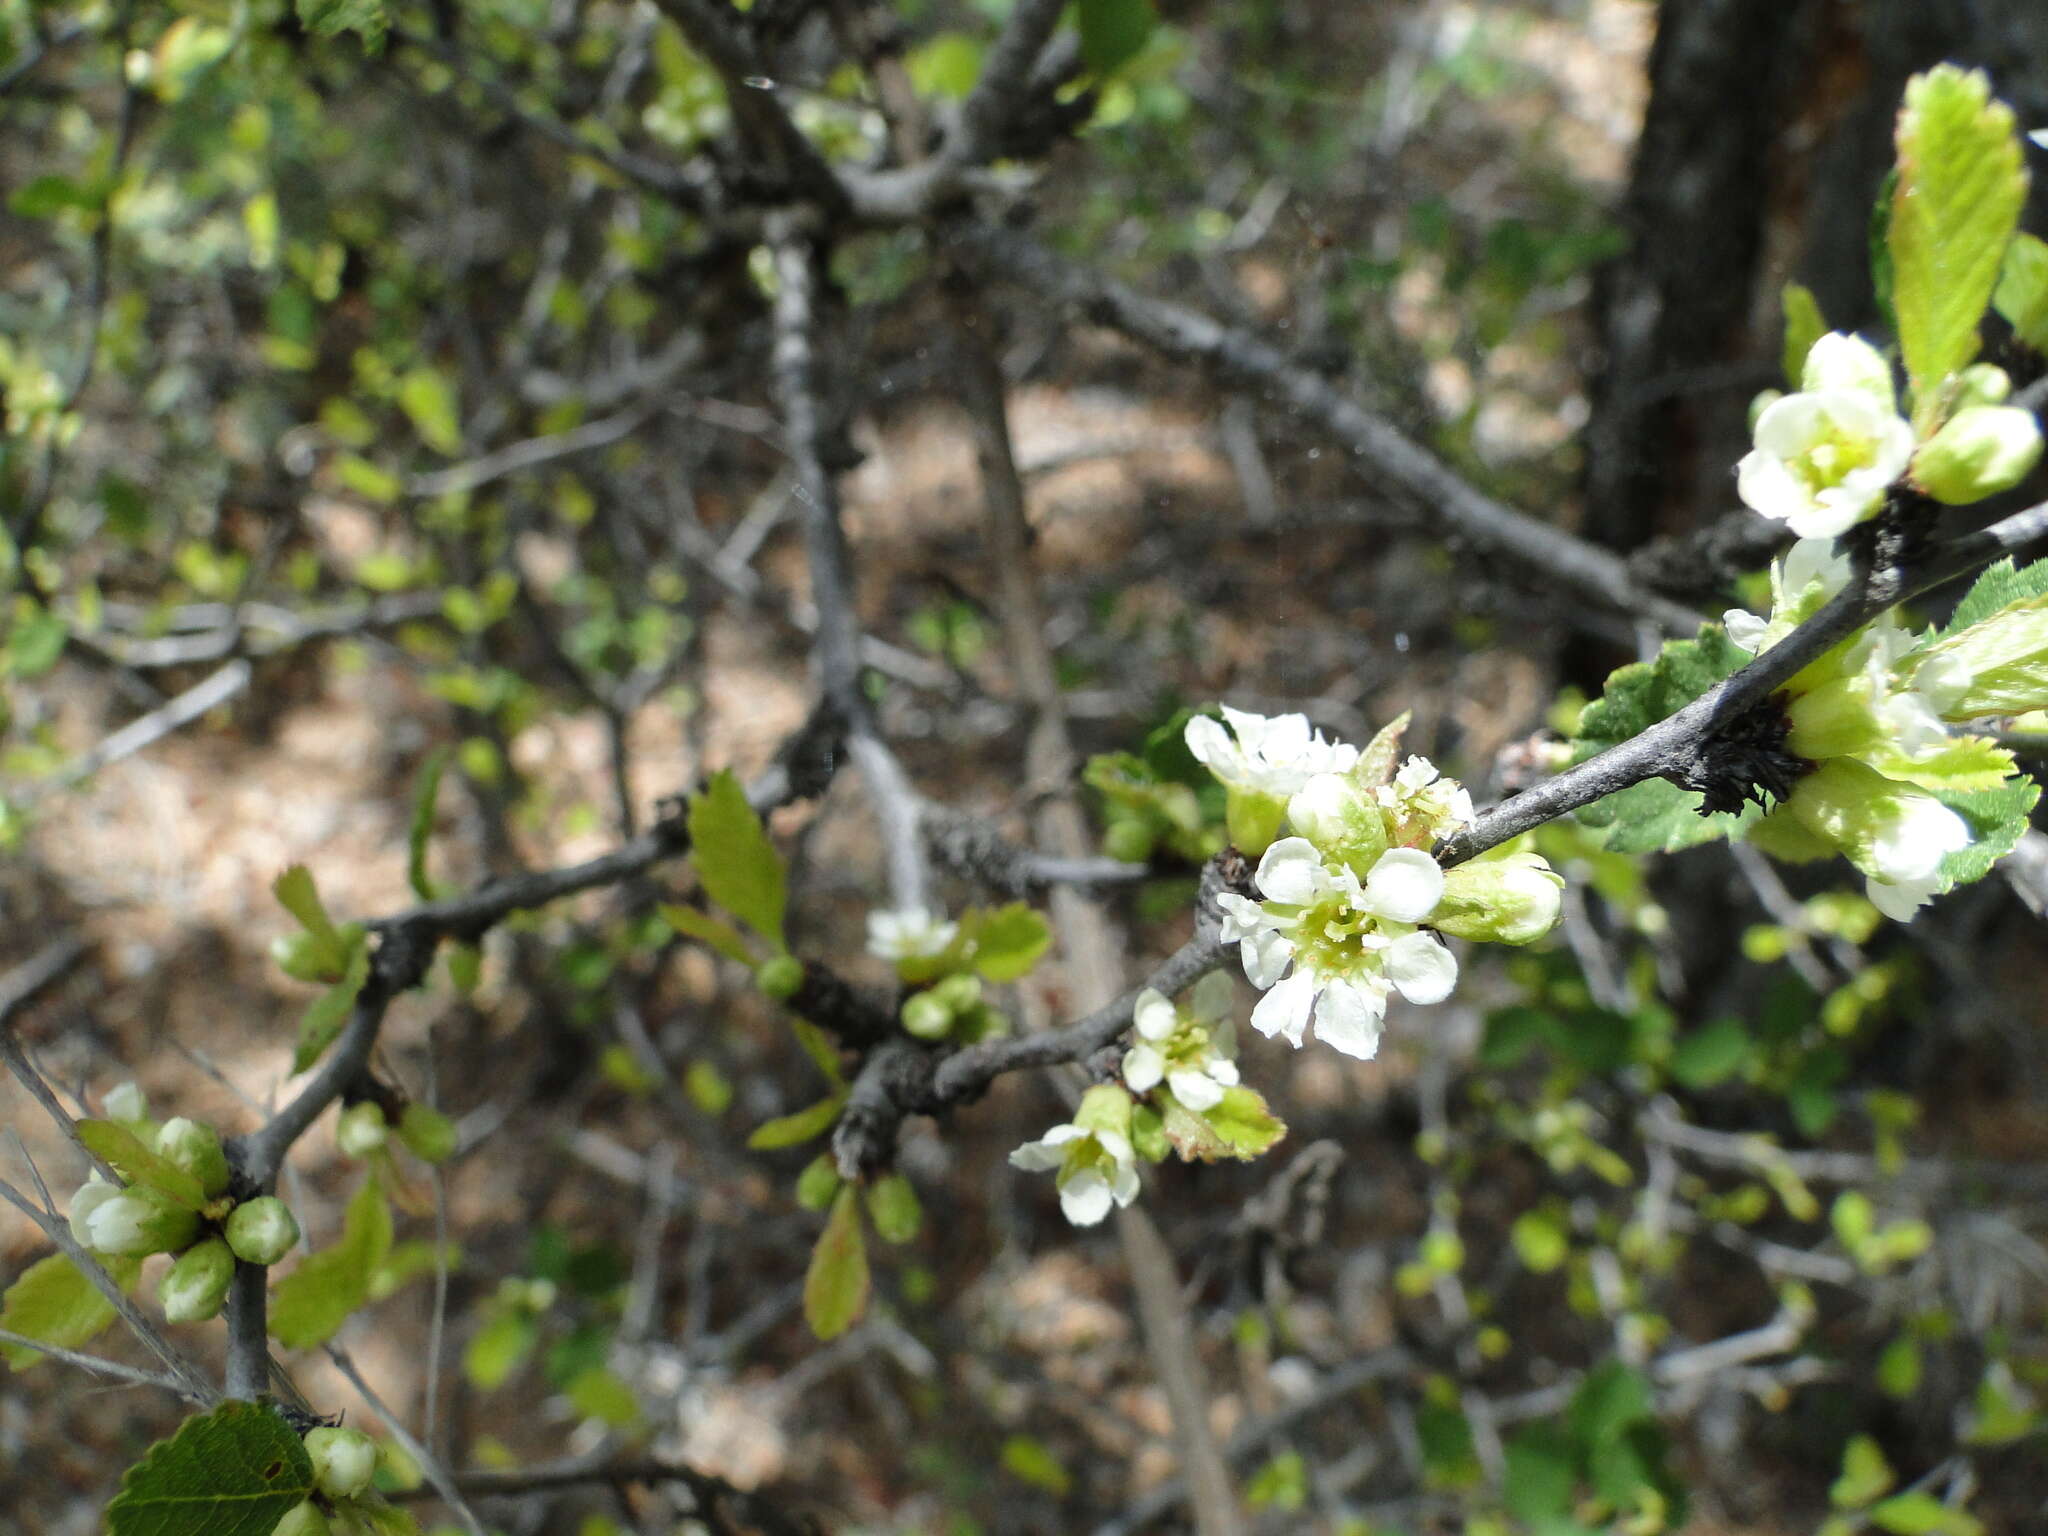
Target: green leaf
(1996,589)
(794,1130)
(600,1394)
(52,1300)
(2022,292)
(499,1348)
(737,865)
(315,1299)
(820,1048)
(1542,1473)
(1282,1483)
(329,1012)
(1609,1400)
(1240,1126)
(1540,1241)
(836,1285)
(1957,203)
(1998,819)
(428,400)
(818,1183)
(233,1472)
(1711,1055)
(1113,31)
(47,196)
(1803,327)
(119,1148)
(1922,1514)
(894,1209)
(298,895)
(423,824)
(1031,1461)
(331,18)
(706,929)
(1007,941)
(946,65)
(1656,816)
(1899,1367)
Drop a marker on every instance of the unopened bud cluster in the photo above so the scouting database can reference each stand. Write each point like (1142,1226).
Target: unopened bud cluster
(344,1467)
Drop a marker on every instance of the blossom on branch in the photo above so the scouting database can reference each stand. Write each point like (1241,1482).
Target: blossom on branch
(1191,1052)
(1095,1164)
(1261,761)
(1825,457)
(911,933)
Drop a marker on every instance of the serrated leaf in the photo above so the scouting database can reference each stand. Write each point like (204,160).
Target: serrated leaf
(1113,32)
(233,1472)
(422,830)
(2022,292)
(1008,941)
(893,1208)
(1997,820)
(120,1148)
(1803,327)
(736,863)
(1996,589)
(1957,203)
(706,929)
(836,1284)
(794,1130)
(315,1299)
(1962,764)
(52,1300)
(1240,1126)
(327,1014)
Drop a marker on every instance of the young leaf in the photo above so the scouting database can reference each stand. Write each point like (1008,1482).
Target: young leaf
(423,824)
(1032,1462)
(738,866)
(1996,589)
(310,1303)
(706,929)
(1240,1126)
(1008,941)
(836,1285)
(1803,327)
(893,1207)
(2022,292)
(1922,1514)
(1113,31)
(1957,203)
(820,1048)
(328,1012)
(428,399)
(233,1472)
(1998,819)
(794,1130)
(53,1301)
(1710,1055)
(499,1348)
(121,1150)
(297,894)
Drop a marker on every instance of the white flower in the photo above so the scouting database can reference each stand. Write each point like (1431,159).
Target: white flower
(911,933)
(1792,600)
(1823,460)
(1921,832)
(1326,948)
(125,1102)
(1192,1058)
(1098,1169)
(1265,755)
(92,1194)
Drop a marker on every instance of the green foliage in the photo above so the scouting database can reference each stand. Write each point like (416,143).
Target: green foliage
(1032,1462)
(893,1208)
(1007,942)
(308,1305)
(52,1300)
(1996,588)
(1282,1483)
(2022,292)
(836,1284)
(233,1472)
(707,929)
(1803,327)
(793,1130)
(119,1148)
(1656,816)
(1711,1055)
(1961,184)
(1114,31)
(330,18)
(422,829)
(1240,1126)
(328,1013)
(738,866)
(1998,819)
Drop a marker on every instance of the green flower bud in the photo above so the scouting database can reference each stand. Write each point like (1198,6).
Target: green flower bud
(818,1183)
(926,1016)
(125,1103)
(1835,719)
(1128,839)
(343,1461)
(307,1519)
(1252,819)
(779,977)
(361,1130)
(194,1288)
(1982,384)
(427,1133)
(263,1230)
(1342,818)
(1513,898)
(138,1221)
(1105,1107)
(960,993)
(196,1149)
(1982,450)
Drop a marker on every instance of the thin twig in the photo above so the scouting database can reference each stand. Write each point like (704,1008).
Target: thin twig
(99,1365)
(437,1475)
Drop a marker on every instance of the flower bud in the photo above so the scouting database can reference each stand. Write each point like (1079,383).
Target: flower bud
(1892,832)
(1838,361)
(343,1461)
(1513,898)
(195,1148)
(1982,450)
(361,1130)
(1252,819)
(125,1102)
(139,1221)
(779,977)
(926,1016)
(1105,1107)
(427,1133)
(263,1230)
(1340,816)
(1128,840)
(92,1194)
(194,1288)
(959,992)
(1982,384)
(306,1519)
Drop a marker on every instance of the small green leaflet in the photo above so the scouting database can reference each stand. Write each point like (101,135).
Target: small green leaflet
(328,1012)
(894,1209)
(1922,1514)
(794,1130)
(706,929)
(1007,942)
(233,1472)
(298,895)
(1866,1475)
(2022,292)
(310,1303)
(836,1285)
(1998,588)
(1241,1126)
(423,825)
(54,1301)
(500,1347)
(331,18)
(1957,203)
(1803,327)
(737,865)
(1113,32)
(1031,1461)
(119,1148)
(1711,1054)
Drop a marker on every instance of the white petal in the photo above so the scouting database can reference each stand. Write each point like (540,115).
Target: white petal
(1213,748)
(1265,956)
(1348,1018)
(1242,917)
(1292,872)
(1767,486)
(1284,1011)
(1116,1144)
(1143,1068)
(1899,902)
(1911,849)
(1154,1016)
(1812,560)
(1223,1070)
(1197,1090)
(1745,629)
(1404,886)
(1044,1154)
(1423,970)
(1085,1198)
(1281,740)
(1831,514)
(1124,1186)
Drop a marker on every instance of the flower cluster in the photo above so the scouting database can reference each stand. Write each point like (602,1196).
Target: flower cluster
(1192,1051)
